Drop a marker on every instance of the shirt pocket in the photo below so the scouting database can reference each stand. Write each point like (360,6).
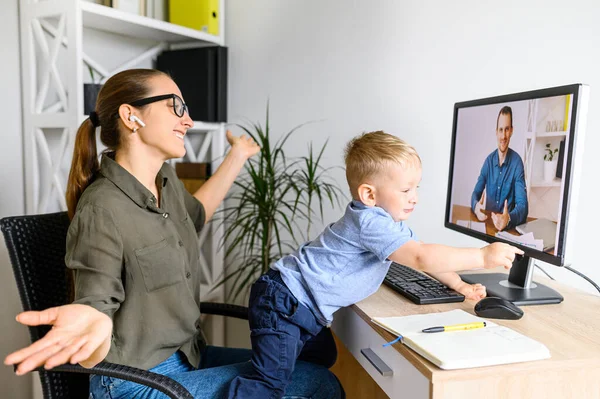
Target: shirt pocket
(161,265)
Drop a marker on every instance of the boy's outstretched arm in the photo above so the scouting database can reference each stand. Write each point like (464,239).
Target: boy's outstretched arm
(437,258)
(453,280)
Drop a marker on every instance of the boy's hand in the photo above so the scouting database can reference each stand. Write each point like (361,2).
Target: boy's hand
(471,291)
(499,254)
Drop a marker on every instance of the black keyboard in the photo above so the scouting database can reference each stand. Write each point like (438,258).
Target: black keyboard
(418,287)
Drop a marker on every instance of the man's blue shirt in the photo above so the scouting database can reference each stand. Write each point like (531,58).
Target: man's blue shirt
(346,263)
(506,182)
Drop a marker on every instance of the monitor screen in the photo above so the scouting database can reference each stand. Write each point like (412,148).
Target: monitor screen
(513,168)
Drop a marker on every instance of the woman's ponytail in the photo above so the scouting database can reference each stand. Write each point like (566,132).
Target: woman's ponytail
(84,165)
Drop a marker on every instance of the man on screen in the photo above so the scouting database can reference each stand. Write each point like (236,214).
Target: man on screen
(500,187)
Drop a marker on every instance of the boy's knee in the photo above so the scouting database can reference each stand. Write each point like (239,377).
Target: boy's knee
(326,356)
(251,387)
(330,349)
(320,350)
(331,359)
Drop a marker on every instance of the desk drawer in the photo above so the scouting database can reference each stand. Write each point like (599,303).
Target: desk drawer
(356,334)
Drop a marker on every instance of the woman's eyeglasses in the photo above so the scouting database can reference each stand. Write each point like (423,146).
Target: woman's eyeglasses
(178,105)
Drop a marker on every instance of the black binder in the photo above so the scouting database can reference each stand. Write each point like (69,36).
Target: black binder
(201,74)
(560,161)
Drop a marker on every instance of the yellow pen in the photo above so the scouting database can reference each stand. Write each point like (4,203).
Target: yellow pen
(455,327)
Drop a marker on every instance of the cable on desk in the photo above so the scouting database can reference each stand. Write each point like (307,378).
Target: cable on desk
(583,276)
(543,271)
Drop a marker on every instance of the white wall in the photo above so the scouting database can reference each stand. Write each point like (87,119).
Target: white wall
(11,196)
(400,66)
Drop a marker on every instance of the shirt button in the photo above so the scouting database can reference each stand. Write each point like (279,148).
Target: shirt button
(165,215)
(180,243)
(188,275)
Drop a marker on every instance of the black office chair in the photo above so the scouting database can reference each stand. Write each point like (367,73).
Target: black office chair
(37,245)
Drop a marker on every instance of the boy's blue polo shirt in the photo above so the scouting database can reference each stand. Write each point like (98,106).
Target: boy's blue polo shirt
(346,263)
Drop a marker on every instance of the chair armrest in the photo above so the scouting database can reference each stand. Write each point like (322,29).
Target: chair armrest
(224,309)
(164,384)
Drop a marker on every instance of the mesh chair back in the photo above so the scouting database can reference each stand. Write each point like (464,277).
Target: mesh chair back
(36,245)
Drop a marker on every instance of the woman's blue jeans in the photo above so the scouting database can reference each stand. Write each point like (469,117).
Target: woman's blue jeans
(218,366)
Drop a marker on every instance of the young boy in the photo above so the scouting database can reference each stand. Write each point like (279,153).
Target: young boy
(293,301)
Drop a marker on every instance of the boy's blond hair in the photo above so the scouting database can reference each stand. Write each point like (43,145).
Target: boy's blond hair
(369,154)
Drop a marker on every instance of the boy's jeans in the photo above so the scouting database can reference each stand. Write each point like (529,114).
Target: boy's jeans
(282,330)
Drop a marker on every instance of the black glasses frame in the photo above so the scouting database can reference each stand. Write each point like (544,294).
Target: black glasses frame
(173,96)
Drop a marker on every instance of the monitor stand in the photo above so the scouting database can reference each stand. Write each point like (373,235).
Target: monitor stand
(518,287)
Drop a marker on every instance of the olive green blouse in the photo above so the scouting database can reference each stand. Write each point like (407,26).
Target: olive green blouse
(138,263)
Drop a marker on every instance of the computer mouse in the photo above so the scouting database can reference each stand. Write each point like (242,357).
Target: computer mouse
(498,308)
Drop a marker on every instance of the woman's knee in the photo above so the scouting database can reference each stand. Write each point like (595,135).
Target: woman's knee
(316,382)
(329,386)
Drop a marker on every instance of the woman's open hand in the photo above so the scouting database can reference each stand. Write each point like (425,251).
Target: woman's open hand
(79,334)
(242,145)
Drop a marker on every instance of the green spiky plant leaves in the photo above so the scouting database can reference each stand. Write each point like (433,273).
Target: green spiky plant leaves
(271,197)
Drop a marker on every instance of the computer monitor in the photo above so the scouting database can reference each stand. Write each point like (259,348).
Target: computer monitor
(515,164)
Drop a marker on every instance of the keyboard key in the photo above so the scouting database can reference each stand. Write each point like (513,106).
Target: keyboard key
(418,287)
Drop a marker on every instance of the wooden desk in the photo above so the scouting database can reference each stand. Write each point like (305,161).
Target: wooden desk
(461,212)
(570,330)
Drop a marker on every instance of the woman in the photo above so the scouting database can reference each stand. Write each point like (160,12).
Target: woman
(132,245)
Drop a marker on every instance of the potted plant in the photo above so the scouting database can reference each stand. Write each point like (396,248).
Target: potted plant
(90,93)
(550,161)
(272,195)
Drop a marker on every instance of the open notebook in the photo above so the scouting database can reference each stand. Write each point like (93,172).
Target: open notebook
(491,345)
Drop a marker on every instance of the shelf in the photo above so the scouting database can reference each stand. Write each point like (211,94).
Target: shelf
(97,16)
(204,126)
(551,134)
(542,183)
(199,127)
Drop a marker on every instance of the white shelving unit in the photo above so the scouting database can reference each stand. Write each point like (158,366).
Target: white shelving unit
(542,194)
(543,183)
(550,134)
(51,37)
(108,19)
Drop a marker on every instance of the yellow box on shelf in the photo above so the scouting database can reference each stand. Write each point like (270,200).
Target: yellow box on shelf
(202,15)
(566,118)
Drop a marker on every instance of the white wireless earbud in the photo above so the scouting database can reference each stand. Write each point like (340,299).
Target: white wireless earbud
(134,118)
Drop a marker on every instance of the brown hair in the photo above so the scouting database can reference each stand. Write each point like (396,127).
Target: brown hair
(122,88)
(370,153)
(506,110)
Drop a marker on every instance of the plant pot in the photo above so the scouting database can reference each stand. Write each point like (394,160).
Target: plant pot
(550,170)
(90,94)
